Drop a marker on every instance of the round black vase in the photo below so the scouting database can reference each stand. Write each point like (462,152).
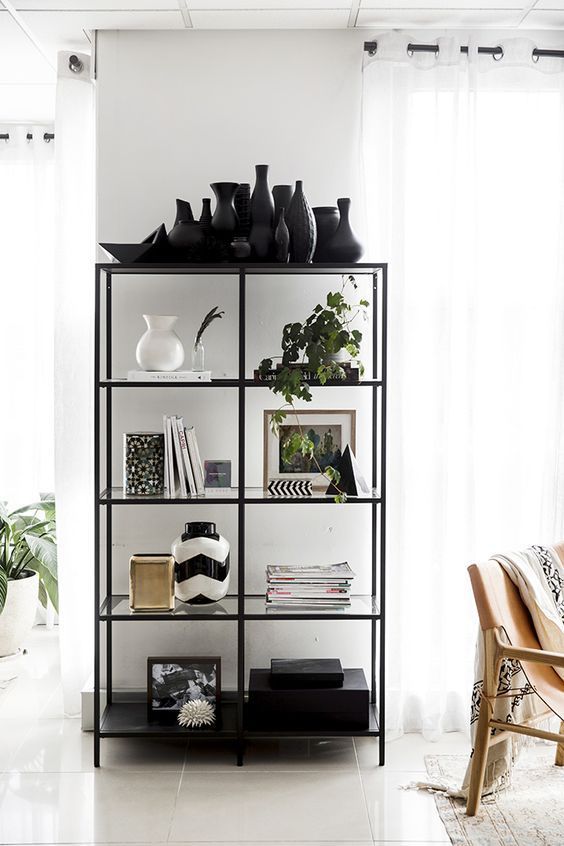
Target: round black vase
(242,204)
(185,236)
(261,237)
(282,195)
(343,246)
(301,224)
(183,211)
(224,220)
(327,221)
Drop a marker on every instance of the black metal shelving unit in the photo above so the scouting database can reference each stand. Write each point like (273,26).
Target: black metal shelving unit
(124,715)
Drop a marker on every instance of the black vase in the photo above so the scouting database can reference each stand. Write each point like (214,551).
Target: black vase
(224,220)
(206,216)
(242,204)
(261,236)
(183,211)
(282,198)
(326,220)
(301,224)
(282,238)
(343,246)
(185,236)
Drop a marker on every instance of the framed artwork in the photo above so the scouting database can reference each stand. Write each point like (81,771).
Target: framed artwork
(330,430)
(171,682)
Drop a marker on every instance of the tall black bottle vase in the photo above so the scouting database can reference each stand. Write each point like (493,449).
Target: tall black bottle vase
(261,237)
(302,227)
(206,215)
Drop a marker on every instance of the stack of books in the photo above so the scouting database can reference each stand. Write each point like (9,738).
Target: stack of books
(309,586)
(184,474)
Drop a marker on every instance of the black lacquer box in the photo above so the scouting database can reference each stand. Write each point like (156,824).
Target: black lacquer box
(338,708)
(302,673)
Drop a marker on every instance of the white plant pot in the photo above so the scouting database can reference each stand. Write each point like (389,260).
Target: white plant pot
(338,357)
(18,616)
(160,347)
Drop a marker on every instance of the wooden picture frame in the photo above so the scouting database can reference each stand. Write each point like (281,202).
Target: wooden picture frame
(323,418)
(194,675)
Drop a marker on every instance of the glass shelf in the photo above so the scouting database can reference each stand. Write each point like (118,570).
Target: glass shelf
(223,496)
(116,608)
(361,608)
(230,383)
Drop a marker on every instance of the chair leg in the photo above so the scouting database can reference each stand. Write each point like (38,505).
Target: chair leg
(479,759)
(483,733)
(559,760)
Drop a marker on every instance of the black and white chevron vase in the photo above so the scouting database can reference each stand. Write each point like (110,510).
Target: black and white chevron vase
(289,487)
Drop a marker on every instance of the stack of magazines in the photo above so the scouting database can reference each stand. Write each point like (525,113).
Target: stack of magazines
(314,586)
(184,475)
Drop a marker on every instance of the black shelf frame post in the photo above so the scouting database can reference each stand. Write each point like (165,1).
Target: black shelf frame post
(241,521)
(124,716)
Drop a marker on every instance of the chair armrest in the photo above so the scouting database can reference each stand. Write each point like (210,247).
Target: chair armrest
(537,656)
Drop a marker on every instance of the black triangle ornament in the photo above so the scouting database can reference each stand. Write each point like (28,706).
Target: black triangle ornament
(352,481)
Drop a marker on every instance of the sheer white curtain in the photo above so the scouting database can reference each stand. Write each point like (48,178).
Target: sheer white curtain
(74,356)
(464,165)
(26,313)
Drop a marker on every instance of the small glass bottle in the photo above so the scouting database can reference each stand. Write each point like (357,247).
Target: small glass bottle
(198,357)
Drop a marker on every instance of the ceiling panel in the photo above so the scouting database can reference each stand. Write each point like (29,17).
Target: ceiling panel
(549,4)
(437,18)
(457,5)
(20,61)
(96,5)
(271,19)
(266,5)
(64,30)
(545,19)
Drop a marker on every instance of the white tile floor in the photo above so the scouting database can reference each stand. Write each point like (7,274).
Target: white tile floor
(147,792)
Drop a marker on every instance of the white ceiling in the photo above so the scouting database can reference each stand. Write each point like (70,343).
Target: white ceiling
(61,24)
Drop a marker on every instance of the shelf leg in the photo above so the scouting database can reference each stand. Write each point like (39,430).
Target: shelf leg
(240,752)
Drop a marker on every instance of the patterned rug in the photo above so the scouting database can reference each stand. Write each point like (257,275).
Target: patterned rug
(530,813)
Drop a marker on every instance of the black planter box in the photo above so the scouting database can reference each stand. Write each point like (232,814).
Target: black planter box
(339,708)
(286,673)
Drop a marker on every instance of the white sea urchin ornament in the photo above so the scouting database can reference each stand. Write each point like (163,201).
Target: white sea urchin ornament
(196,713)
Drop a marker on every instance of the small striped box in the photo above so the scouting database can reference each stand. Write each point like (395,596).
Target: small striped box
(289,487)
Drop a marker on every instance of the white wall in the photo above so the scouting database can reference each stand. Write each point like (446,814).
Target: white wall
(176,111)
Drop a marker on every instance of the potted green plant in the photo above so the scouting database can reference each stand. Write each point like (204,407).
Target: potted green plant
(320,348)
(28,568)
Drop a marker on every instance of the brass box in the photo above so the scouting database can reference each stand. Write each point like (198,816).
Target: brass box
(151,582)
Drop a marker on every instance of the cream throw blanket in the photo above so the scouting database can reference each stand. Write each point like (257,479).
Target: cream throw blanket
(538,574)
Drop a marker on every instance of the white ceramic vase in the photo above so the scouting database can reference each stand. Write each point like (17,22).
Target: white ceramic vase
(18,616)
(160,347)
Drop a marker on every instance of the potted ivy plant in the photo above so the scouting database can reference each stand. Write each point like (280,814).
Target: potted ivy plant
(319,349)
(28,568)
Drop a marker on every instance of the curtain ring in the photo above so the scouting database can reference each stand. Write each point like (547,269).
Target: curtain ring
(409,51)
(29,137)
(534,55)
(498,54)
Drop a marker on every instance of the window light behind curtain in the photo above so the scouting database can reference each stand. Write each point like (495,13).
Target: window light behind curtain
(463,159)
(26,313)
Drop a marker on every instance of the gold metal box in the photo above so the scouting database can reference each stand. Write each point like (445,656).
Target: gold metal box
(151,582)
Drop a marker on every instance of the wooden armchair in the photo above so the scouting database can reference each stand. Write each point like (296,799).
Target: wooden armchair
(500,607)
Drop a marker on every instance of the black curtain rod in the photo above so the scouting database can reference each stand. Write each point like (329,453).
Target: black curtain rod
(371,48)
(47,136)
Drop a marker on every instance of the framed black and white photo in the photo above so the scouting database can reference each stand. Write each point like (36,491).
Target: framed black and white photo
(172,682)
(329,430)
